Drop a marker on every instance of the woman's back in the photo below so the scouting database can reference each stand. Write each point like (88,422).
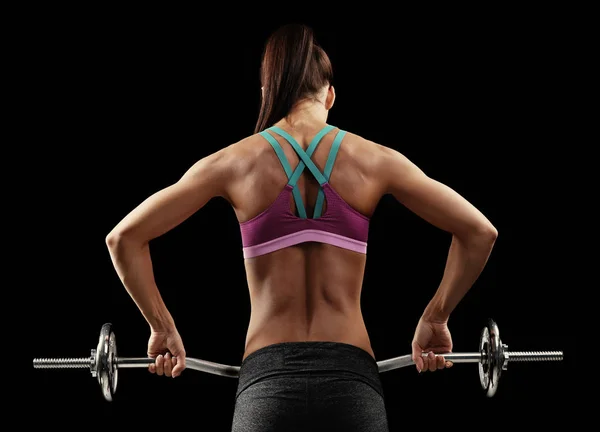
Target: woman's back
(303,193)
(309,291)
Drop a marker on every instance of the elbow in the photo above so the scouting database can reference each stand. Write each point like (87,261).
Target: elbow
(486,234)
(117,239)
(113,240)
(491,233)
(482,235)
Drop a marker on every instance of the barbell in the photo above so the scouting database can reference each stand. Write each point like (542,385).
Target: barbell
(104,363)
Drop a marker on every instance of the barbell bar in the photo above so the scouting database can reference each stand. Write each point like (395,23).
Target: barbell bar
(104,363)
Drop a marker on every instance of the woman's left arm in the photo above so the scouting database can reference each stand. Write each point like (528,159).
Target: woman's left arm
(128,242)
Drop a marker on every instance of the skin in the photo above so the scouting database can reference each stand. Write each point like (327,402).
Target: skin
(308,292)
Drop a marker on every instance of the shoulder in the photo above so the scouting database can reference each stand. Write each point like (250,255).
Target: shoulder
(367,154)
(378,164)
(239,157)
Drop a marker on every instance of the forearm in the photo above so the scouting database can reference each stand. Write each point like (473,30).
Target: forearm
(133,264)
(466,260)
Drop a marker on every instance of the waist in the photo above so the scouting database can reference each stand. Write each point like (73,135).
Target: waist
(342,324)
(314,358)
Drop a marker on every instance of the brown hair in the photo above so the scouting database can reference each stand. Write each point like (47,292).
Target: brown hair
(294,67)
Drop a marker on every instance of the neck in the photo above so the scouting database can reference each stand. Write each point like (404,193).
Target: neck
(305,115)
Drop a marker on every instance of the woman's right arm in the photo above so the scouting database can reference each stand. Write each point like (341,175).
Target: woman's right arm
(473,235)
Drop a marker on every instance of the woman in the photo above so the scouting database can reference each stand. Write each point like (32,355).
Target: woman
(303,192)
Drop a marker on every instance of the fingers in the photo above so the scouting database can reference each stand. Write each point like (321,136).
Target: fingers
(429,362)
(178,365)
(160,364)
(167,365)
(433,362)
(440,362)
(417,358)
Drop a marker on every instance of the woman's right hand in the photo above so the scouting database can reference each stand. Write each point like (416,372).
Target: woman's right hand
(166,347)
(431,337)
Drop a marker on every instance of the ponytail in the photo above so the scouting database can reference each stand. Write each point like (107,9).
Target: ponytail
(294,67)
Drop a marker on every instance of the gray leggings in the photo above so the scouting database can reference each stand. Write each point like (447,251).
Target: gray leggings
(309,386)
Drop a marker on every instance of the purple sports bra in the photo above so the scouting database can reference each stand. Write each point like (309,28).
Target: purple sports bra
(277,227)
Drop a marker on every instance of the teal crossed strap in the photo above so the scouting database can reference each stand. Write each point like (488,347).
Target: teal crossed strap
(305,161)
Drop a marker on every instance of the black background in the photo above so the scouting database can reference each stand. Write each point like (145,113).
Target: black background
(126,103)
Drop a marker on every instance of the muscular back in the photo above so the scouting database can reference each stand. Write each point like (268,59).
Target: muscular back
(310,291)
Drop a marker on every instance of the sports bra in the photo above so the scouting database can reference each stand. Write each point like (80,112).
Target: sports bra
(277,227)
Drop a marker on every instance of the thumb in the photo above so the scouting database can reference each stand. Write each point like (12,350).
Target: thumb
(179,363)
(417,356)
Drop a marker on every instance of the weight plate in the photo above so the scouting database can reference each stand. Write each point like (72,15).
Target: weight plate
(106,362)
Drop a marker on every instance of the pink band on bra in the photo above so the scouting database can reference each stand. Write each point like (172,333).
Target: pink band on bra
(308,235)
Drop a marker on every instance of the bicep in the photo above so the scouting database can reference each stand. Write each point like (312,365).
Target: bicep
(430,199)
(169,207)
